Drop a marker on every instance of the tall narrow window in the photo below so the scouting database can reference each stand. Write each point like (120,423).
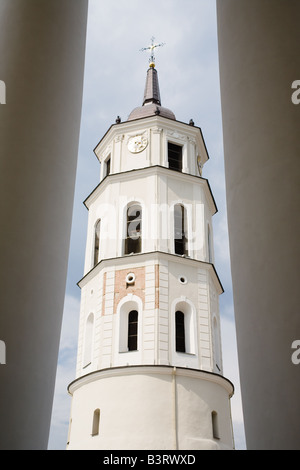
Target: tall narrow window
(133,240)
(180,230)
(175,156)
(215,425)
(108,167)
(180,331)
(96,423)
(130,322)
(132,330)
(97,242)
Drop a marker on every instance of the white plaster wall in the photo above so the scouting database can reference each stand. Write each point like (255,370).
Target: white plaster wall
(151,408)
(158,131)
(156,305)
(157,191)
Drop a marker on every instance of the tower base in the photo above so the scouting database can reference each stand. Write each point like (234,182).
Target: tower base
(151,407)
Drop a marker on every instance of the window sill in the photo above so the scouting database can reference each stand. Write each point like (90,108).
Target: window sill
(186,353)
(126,352)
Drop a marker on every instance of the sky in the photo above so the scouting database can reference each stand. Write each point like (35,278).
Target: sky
(115,73)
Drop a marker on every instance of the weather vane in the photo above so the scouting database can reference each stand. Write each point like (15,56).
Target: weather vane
(152,48)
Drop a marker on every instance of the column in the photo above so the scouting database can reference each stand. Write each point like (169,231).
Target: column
(259,60)
(42,49)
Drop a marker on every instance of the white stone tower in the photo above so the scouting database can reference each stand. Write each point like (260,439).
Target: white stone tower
(149,367)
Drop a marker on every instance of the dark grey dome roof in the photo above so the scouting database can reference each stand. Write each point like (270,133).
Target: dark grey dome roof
(150,109)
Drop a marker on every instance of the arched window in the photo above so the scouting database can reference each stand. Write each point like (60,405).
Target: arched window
(180,331)
(96,242)
(133,238)
(215,425)
(129,312)
(89,328)
(184,327)
(96,422)
(132,330)
(180,230)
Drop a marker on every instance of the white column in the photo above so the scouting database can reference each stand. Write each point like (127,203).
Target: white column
(259,60)
(42,49)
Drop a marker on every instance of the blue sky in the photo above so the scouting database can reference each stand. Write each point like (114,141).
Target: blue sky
(115,73)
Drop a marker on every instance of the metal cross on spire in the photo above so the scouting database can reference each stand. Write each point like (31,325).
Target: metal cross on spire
(152,48)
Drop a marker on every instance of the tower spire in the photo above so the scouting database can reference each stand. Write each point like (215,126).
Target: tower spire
(152,102)
(152,94)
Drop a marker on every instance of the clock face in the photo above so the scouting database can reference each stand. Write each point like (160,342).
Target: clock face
(137,144)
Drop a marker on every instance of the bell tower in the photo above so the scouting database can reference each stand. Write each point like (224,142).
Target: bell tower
(149,365)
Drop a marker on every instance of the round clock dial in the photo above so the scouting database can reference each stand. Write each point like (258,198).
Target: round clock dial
(137,144)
